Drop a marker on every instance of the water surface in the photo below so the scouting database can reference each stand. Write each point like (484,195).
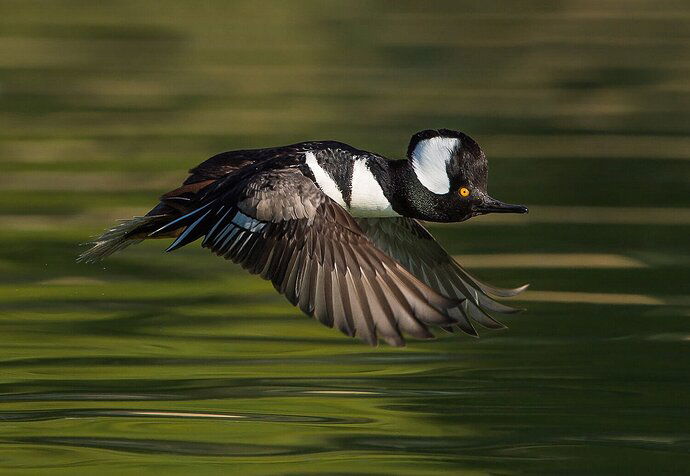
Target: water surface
(177,363)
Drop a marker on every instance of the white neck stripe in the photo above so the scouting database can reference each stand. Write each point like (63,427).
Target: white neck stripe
(368,199)
(323,179)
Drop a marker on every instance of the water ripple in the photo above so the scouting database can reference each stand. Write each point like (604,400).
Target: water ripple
(44,415)
(175,447)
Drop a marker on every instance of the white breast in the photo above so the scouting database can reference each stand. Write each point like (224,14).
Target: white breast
(324,180)
(367,198)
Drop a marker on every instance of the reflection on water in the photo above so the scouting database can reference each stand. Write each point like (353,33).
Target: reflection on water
(179,363)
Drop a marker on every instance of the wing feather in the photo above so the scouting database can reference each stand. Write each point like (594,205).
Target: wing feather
(279,225)
(412,245)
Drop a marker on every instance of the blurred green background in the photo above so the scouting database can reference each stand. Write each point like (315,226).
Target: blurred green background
(176,363)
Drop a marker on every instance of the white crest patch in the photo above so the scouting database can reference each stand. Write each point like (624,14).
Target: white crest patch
(429,160)
(367,199)
(324,180)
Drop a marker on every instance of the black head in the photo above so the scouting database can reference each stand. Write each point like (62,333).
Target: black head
(450,171)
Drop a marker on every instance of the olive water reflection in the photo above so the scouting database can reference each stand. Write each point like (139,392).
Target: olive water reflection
(177,363)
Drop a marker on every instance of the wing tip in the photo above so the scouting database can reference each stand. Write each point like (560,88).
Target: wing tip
(520,289)
(173,247)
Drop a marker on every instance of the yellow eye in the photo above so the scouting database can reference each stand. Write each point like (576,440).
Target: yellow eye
(464,192)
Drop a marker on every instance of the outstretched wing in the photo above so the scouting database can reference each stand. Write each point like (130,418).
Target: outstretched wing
(278,224)
(406,240)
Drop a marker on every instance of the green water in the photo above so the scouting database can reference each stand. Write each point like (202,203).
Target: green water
(154,363)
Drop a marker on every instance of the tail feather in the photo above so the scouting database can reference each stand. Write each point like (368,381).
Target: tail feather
(117,238)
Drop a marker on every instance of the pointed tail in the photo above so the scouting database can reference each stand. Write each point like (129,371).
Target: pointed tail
(127,232)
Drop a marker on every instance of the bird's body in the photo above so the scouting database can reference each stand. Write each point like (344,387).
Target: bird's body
(335,229)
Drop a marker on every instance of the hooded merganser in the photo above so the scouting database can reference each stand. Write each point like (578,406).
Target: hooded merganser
(336,230)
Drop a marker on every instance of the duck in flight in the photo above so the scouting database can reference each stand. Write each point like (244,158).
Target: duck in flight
(337,230)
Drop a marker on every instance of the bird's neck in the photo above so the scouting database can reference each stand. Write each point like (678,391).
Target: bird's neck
(406,191)
(409,197)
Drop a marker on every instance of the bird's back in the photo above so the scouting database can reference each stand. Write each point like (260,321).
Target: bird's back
(225,163)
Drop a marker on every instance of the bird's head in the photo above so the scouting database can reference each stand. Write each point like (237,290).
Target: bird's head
(452,171)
